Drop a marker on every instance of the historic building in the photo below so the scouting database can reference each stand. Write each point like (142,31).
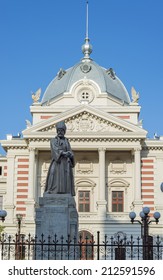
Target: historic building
(117,169)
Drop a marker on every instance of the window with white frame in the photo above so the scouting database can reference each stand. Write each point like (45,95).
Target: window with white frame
(118,195)
(85,195)
(84,201)
(0,170)
(117,201)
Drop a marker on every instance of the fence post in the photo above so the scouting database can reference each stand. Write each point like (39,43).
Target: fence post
(98,245)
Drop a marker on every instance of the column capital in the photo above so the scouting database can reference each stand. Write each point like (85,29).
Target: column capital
(101,149)
(10,156)
(31,149)
(137,149)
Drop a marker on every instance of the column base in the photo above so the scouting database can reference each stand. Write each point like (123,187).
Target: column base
(30,206)
(138,204)
(10,212)
(101,208)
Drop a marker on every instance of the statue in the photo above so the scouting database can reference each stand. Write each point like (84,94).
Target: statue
(135,95)
(36,95)
(60,174)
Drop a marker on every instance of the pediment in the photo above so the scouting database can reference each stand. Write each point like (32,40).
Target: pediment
(85,120)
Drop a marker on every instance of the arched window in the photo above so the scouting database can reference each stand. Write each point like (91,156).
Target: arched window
(86,248)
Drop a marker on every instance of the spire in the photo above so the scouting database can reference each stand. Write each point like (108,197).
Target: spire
(87,48)
(87,20)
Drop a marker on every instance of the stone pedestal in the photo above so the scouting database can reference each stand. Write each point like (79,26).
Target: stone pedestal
(57,214)
(57,218)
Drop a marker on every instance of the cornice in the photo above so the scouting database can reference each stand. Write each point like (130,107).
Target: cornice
(152,148)
(108,109)
(89,139)
(14,144)
(153,145)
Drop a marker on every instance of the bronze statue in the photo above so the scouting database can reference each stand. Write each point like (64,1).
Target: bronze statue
(60,174)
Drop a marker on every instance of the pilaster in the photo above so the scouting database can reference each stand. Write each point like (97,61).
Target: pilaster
(101,203)
(9,205)
(31,186)
(137,172)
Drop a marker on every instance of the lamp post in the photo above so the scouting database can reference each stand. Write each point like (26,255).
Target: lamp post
(145,221)
(19,218)
(18,245)
(3,215)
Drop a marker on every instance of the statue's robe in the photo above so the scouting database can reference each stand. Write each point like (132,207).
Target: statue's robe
(60,174)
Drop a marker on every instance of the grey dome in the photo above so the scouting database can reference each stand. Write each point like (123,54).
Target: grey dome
(106,80)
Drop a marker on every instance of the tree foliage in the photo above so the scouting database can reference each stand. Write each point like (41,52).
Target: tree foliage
(1,229)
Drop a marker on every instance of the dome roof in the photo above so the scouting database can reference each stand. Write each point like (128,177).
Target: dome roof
(106,80)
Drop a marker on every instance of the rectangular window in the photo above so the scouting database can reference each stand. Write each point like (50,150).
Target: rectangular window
(0,170)
(117,201)
(84,201)
(1,202)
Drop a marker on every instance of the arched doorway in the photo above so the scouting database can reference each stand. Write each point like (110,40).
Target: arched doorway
(86,242)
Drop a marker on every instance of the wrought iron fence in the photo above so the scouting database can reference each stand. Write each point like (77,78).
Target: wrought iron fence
(91,248)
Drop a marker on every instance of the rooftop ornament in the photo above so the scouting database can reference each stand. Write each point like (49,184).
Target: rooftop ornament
(87,47)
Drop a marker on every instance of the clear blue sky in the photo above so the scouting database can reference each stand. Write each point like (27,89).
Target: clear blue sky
(37,37)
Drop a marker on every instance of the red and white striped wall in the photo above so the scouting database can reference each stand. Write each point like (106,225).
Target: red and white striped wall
(22,184)
(147,182)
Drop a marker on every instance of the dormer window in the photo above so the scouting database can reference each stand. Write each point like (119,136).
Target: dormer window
(85,96)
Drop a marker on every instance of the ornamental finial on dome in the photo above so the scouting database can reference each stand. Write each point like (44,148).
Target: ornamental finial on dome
(87,48)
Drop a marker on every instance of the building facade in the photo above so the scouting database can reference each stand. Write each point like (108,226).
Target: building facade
(117,169)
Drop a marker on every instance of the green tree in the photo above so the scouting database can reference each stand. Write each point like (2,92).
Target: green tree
(1,229)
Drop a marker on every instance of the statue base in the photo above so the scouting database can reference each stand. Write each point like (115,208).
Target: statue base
(56,221)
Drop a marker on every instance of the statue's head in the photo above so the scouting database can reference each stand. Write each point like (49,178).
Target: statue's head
(61,128)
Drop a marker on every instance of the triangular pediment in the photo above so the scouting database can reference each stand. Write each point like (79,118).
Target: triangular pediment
(85,120)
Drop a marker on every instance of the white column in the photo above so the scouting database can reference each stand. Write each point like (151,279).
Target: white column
(31,178)
(137,187)
(10,205)
(101,203)
(31,189)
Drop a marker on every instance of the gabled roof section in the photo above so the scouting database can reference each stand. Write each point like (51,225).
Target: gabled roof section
(85,120)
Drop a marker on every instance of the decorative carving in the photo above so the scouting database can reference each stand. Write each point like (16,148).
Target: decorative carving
(85,68)
(61,73)
(42,183)
(118,167)
(89,122)
(46,166)
(86,121)
(84,167)
(111,73)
